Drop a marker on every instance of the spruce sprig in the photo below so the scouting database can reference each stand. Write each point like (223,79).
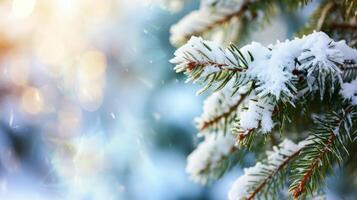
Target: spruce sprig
(327,145)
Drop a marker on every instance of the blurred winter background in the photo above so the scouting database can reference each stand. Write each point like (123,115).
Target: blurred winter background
(90,107)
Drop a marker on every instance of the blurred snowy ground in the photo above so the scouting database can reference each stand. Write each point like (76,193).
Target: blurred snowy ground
(90,107)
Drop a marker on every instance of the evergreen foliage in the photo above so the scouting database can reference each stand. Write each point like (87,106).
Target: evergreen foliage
(259,91)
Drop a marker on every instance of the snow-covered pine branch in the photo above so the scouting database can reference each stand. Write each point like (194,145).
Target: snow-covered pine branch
(206,18)
(314,156)
(209,156)
(206,61)
(265,177)
(274,72)
(326,145)
(220,109)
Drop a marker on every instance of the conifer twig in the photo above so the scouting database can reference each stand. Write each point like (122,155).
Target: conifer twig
(272,174)
(320,146)
(301,187)
(259,180)
(207,124)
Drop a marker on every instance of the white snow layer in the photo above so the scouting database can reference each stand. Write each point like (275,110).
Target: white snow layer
(207,155)
(259,111)
(349,91)
(242,187)
(273,65)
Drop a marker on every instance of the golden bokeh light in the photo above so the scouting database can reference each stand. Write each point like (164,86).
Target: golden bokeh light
(32,101)
(50,50)
(91,69)
(92,65)
(22,8)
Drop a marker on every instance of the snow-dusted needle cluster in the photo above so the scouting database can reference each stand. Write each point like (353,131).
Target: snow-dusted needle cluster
(256,179)
(207,54)
(220,108)
(209,153)
(258,111)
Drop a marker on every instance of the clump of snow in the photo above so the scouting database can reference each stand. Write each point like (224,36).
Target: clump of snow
(219,104)
(207,156)
(321,58)
(258,112)
(349,91)
(320,47)
(268,69)
(273,65)
(243,187)
(348,52)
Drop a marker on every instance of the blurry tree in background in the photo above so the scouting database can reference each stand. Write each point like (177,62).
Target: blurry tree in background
(264,97)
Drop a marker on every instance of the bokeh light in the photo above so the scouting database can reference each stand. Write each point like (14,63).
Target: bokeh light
(23,8)
(32,101)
